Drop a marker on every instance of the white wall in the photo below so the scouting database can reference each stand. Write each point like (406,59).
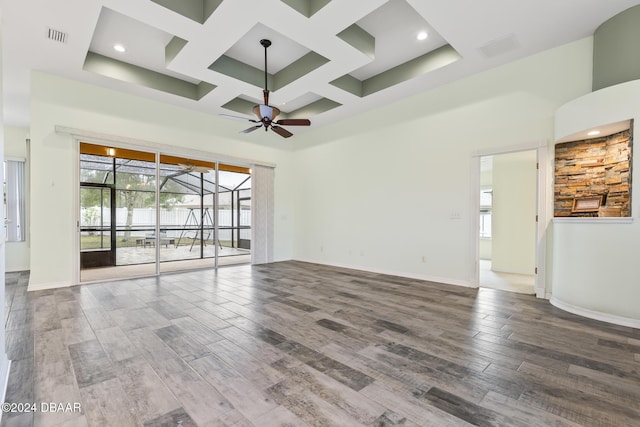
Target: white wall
(514,211)
(58,101)
(411,161)
(4,361)
(17,253)
(595,262)
(484,251)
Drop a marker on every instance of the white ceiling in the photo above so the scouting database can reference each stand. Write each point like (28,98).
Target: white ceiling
(484,33)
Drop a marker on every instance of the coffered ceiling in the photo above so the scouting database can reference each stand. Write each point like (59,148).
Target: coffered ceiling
(330,59)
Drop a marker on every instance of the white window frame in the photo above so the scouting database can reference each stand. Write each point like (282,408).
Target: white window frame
(15,199)
(485,210)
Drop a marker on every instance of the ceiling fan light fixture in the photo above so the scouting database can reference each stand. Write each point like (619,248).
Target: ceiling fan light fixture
(266,113)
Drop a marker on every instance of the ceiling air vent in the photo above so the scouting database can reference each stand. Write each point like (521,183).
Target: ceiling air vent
(56,35)
(499,46)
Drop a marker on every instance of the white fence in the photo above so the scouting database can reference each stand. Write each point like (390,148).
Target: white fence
(169,218)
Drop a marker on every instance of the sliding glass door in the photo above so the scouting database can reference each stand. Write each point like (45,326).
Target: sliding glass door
(187,211)
(142,213)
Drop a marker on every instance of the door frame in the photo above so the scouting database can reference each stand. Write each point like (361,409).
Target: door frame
(239,229)
(112,214)
(543,206)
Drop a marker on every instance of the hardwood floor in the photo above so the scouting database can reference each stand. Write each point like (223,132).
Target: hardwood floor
(297,344)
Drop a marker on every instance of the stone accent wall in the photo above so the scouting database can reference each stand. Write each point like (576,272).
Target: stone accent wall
(594,167)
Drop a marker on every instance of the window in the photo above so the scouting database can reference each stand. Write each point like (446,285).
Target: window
(486,201)
(14,204)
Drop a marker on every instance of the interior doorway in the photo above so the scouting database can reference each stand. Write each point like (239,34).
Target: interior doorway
(508,205)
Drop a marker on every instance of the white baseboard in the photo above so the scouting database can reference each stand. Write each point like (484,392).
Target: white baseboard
(427,278)
(596,315)
(45,286)
(14,269)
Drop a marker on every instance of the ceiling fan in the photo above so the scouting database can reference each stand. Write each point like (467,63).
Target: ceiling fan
(266,114)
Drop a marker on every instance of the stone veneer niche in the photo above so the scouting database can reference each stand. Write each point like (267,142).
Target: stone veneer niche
(591,168)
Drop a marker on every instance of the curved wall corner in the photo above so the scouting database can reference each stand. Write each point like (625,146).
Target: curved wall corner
(603,107)
(616,57)
(617,320)
(595,263)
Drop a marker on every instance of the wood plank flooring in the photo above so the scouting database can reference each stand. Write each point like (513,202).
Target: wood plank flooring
(298,344)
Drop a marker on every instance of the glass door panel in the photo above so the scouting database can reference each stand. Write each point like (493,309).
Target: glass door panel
(96,245)
(117,213)
(234,215)
(135,212)
(187,198)
(244,223)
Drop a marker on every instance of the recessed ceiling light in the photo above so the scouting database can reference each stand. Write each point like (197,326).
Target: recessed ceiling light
(594,133)
(119,48)
(422,35)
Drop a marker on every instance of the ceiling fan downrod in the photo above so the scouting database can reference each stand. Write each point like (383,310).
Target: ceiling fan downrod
(265,43)
(266,114)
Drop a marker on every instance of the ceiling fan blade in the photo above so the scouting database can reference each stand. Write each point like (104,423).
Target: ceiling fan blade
(251,129)
(281,131)
(228,116)
(294,122)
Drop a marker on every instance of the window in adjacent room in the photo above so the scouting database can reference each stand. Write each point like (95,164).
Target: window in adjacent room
(14,203)
(486,198)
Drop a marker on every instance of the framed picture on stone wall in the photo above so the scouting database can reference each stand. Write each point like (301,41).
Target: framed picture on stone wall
(586,204)
(588,167)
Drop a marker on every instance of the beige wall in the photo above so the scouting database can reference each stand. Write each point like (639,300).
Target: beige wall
(514,211)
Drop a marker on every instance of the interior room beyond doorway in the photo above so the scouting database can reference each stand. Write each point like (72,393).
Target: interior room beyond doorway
(508,204)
